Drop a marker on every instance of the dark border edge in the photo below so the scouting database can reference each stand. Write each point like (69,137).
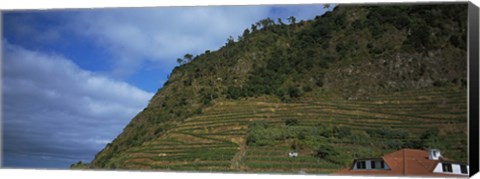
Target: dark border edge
(473,59)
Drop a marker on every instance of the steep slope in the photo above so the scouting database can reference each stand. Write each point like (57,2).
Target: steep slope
(339,71)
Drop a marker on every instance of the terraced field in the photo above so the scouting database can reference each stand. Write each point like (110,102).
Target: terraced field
(216,139)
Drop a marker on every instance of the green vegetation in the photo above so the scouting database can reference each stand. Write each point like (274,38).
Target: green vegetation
(355,82)
(79,165)
(256,135)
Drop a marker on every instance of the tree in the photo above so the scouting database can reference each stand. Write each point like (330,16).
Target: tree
(230,40)
(246,32)
(188,57)
(291,19)
(259,25)
(79,165)
(280,21)
(265,23)
(269,22)
(180,61)
(254,28)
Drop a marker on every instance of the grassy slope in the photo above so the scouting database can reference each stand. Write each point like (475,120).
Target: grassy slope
(215,140)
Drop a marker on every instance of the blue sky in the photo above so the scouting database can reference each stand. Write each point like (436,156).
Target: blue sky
(72,79)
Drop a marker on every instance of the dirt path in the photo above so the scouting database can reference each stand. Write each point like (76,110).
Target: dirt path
(238,157)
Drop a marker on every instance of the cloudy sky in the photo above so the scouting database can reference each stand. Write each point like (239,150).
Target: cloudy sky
(72,79)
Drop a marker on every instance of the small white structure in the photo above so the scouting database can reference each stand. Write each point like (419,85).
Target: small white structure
(451,168)
(434,154)
(445,166)
(293,154)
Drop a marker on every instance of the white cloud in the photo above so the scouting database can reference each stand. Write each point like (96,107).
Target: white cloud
(159,35)
(51,106)
(162,34)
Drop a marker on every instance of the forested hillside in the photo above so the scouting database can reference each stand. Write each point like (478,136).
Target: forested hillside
(358,81)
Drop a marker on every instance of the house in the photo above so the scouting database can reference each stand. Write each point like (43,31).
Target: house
(408,162)
(293,154)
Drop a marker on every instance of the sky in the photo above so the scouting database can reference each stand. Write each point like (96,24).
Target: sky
(73,79)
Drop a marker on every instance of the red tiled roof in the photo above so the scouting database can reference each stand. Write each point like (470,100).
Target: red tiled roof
(411,162)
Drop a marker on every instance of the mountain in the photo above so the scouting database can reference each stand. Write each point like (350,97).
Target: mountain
(359,81)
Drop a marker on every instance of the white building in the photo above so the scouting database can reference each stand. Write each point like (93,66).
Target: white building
(408,162)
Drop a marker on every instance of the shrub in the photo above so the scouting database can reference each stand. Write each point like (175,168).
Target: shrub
(357,24)
(261,124)
(307,88)
(159,130)
(439,83)
(420,37)
(393,144)
(341,132)
(251,139)
(294,92)
(234,92)
(359,137)
(430,137)
(301,135)
(188,81)
(325,151)
(291,122)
